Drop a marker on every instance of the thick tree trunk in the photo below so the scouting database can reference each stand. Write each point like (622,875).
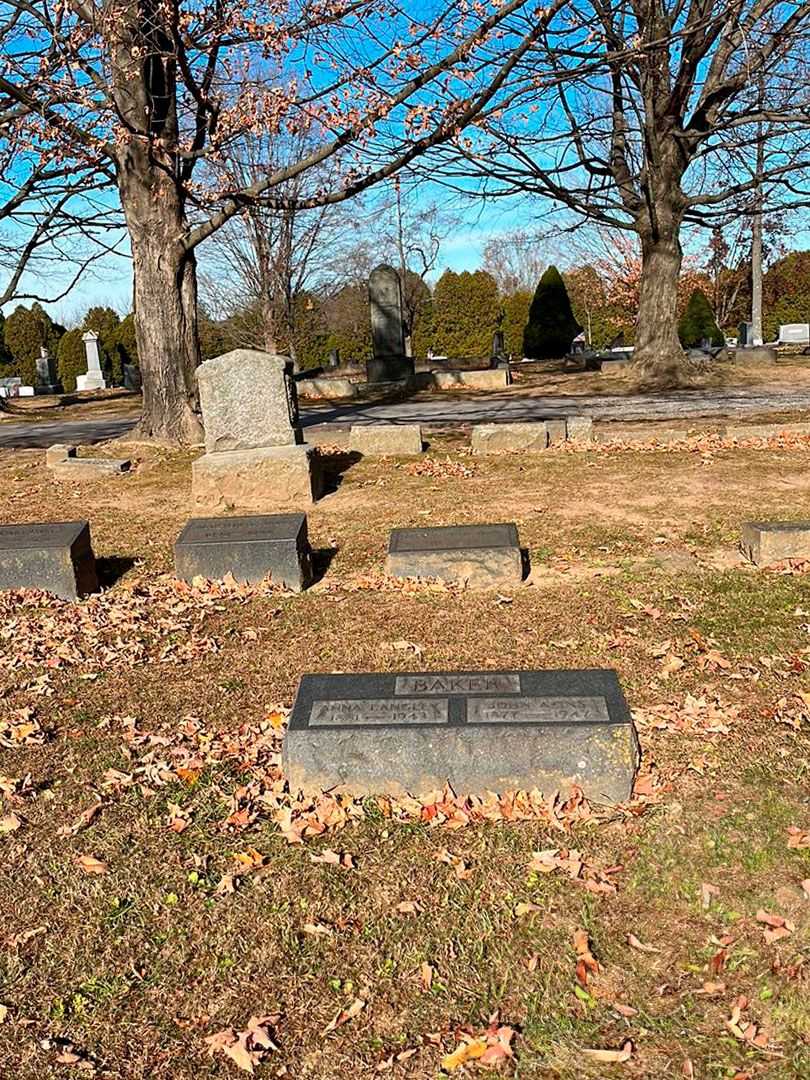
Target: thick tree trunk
(658,356)
(168,344)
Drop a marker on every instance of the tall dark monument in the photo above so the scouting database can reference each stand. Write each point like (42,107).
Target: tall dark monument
(389,362)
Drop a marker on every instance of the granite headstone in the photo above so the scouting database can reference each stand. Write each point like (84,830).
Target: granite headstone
(481,556)
(54,556)
(389,362)
(249,548)
(480,731)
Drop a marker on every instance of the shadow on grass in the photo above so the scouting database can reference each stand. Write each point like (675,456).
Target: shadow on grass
(321,561)
(333,466)
(111,568)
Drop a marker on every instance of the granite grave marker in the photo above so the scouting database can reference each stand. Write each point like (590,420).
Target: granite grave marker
(767,543)
(54,556)
(389,362)
(249,548)
(483,556)
(479,731)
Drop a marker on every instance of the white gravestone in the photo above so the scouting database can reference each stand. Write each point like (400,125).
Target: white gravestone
(794,334)
(94,379)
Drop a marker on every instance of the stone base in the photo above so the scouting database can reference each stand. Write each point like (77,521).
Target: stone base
(90,382)
(248,548)
(505,438)
(380,440)
(261,480)
(479,731)
(481,556)
(54,556)
(390,369)
(754,354)
(75,468)
(767,543)
(59,452)
(326,389)
(491,379)
(764,431)
(579,429)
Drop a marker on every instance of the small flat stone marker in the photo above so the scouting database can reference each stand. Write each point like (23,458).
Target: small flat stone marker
(249,548)
(480,731)
(509,438)
(76,468)
(54,556)
(766,543)
(483,556)
(381,440)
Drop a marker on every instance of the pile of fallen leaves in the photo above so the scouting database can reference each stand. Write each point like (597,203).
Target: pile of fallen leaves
(704,715)
(251,783)
(438,469)
(707,443)
(161,620)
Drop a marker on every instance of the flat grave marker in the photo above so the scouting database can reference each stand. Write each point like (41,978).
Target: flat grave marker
(767,542)
(479,731)
(483,556)
(54,556)
(249,548)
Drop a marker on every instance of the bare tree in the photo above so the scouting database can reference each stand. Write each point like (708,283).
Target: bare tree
(642,131)
(151,89)
(517,259)
(265,258)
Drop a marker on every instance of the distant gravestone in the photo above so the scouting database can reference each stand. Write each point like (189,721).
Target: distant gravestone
(389,362)
(480,731)
(794,334)
(132,377)
(47,378)
(249,548)
(94,377)
(745,333)
(56,557)
(255,456)
(334,358)
(482,556)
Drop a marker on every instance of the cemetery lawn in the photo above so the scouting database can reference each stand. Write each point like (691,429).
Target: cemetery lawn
(150,896)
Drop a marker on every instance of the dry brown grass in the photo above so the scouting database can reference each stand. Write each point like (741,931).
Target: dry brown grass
(634,564)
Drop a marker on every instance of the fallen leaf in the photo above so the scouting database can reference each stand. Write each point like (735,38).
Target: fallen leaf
(609,1057)
(91,865)
(409,907)
(634,943)
(10,823)
(426,976)
(345,1015)
(467,1051)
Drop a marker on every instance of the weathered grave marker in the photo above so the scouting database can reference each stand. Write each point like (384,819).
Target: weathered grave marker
(766,543)
(249,548)
(389,362)
(483,556)
(54,556)
(479,731)
(381,440)
(255,456)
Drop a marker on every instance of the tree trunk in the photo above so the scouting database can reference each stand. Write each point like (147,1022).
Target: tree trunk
(150,179)
(168,344)
(658,355)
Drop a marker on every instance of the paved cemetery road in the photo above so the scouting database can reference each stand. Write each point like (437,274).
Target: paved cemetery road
(675,405)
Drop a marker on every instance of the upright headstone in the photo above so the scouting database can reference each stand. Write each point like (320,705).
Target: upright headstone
(47,377)
(334,358)
(255,455)
(481,731)
(389,362)
(94,378)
